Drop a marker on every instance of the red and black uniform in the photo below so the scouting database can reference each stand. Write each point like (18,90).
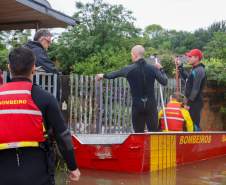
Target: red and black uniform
(26,113)
(177,118)
(21,120)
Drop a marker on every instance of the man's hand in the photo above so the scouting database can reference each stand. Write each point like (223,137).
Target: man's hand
(74,175)
(158,65)
(99,76)
(186,107)
(177,61)
(185,102)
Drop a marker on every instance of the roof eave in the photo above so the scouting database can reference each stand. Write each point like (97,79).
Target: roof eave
(49,11)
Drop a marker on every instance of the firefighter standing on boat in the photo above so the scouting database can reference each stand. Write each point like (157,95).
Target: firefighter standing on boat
(29,117)
(195,81)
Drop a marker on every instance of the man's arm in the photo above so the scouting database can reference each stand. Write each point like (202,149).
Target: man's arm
(45,62)
(188,120)
(199,75)
(121,73)
(54,117)
(54,120)
(183,73)
(63,137)
(160,75)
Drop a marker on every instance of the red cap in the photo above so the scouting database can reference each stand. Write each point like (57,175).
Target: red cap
(195,52)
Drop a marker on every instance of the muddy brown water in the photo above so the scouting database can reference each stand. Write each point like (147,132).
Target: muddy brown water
(209,172)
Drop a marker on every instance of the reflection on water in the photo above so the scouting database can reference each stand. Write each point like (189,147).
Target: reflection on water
(211,172)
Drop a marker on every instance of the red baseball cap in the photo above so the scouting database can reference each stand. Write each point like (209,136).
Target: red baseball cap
(195,52)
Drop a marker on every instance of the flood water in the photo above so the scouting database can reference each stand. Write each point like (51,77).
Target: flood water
(209,172)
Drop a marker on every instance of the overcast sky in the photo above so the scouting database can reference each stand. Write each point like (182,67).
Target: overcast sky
(186,15)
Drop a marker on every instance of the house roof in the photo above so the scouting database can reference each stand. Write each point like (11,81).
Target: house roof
(31,14)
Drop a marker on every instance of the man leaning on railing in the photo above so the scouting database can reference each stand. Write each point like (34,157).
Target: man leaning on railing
(39,46)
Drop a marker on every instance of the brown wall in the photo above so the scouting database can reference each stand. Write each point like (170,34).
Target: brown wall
(214,98)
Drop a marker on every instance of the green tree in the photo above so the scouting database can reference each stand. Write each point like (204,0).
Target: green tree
(104,28)
(216,70)
(15,38)
(3,57)
(217,27)
(202,37)
(153,30)
(3,52)
(216,48)
(10,39)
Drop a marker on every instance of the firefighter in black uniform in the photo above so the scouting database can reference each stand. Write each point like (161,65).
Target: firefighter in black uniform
(30,117)
(141,77)
(195,81)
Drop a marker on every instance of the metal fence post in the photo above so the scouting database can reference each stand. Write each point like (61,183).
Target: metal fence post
(55,88)
(98,96)
(65,96)
(5,76)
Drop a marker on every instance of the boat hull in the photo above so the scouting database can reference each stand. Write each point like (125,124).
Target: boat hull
(146,152)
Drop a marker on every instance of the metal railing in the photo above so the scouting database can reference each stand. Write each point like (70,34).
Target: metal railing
(95,107)
(47,81)
(105,106)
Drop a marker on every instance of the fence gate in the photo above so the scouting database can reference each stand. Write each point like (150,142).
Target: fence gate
(105,106)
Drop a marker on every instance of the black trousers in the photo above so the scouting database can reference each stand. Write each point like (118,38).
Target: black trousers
(24,166)
(195,112)
(144,113)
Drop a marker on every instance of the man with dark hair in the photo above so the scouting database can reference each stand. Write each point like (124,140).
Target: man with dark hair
(195,81)
(42,41)
(30,117)
(141,77)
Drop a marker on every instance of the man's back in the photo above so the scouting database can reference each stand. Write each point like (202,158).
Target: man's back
(141,77)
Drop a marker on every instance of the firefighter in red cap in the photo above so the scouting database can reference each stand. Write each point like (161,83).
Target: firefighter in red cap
(195,81)
(177,117)
(30,117)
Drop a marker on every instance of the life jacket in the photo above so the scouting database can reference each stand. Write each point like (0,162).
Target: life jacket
(21,121)
(174,117)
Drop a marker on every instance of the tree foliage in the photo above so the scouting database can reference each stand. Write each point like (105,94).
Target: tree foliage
(11,39)
(104,29)
(216,70)
(216,48)
(3,56)
(106,33)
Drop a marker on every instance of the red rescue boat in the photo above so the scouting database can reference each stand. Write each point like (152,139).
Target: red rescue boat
(148,151)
